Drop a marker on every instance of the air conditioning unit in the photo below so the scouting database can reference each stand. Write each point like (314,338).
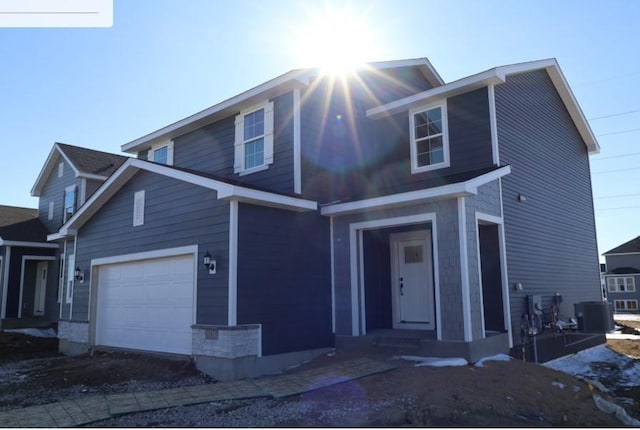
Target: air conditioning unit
(594,317)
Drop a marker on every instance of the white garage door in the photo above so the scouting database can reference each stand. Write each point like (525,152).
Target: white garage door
(146,305)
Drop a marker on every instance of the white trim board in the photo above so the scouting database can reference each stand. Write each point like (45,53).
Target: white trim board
(225,191)
(146,255)
(460,189)
(5,282)
(358,310)
(28,244)
(464,270)
(232,309)
(22,269)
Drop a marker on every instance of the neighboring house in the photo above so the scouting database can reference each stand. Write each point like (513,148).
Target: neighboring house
(26,258)
(622,277)
(31,267)
(309,212)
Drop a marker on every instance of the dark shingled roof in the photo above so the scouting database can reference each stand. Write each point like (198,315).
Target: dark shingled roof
(26,231)
(92,161)
(12,215)
(628,247)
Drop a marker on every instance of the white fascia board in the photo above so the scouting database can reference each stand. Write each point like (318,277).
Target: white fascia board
(621,253)
(470,83)
(460,189)
(269,89)
(401,199)
(48,168)
(92,176)
(263,198)
(27,244)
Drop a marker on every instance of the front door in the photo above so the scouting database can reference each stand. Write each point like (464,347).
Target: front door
(41,288)
(412,280)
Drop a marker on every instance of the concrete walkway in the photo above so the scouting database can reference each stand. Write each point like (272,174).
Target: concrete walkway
(95,408)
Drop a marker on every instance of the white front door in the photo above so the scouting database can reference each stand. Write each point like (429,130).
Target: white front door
(41,288)
(412,280)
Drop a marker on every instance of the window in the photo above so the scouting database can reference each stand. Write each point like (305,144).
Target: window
(429,138)
(619,284)
(69,202)
(626,305)
(162,153)
(138,208)
(254,139)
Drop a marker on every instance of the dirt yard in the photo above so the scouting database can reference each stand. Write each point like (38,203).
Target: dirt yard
(511,393)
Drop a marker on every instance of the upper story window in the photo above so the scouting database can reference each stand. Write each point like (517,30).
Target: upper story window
(616,284)
(254,139)
(69,202)
(429,138)
(162,153)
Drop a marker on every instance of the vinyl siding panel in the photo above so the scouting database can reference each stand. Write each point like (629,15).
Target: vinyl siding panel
(210,149)
(284,278)
(347,156)
(550,237)
(176,214)
(53,190)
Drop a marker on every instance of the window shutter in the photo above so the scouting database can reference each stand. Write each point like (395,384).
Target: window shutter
(238,164)
(138,208)
(51,207)
(268,133)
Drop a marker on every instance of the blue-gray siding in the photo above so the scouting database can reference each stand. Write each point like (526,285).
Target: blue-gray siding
(176,214)
(550,237)
(284,277)
(54,190)
(347,156)
(620,261)
(210,149)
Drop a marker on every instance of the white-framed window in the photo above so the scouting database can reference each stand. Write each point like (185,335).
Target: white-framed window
(620,284)
(69,202)
(626,305)
(60,170)
(71,264)
(138,208)
(162,153)
(429,138)
(51,208)
(254,139)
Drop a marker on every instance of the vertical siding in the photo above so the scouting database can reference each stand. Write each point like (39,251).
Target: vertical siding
(210,149)
(176,214)
(284,280)
(550,237)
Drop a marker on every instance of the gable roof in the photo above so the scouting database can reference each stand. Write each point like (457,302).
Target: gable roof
(12,214)
(225,191)
(498,75)
(85,162)
(630,247)
(293,79)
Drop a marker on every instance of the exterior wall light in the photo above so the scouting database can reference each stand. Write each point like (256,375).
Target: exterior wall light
(79,274)
(209,263)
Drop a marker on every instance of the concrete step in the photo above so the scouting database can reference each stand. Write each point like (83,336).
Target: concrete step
(27,322)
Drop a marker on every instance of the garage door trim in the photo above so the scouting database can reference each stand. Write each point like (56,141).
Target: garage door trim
(130,258)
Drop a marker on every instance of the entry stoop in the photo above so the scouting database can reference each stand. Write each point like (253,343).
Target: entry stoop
(27,322)
(424,343)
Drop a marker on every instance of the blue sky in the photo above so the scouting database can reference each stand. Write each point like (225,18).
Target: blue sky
(166,59)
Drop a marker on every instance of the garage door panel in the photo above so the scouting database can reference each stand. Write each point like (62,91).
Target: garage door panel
(147,305)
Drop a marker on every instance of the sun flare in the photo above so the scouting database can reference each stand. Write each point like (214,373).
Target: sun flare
(335,41)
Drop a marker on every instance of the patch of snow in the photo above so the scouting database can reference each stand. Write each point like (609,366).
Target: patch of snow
(623,336)
(497,357)
(35,332)
(435,361)
(600,364)
(558,384)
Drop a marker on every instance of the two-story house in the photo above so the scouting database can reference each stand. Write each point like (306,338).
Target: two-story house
(623,275)
(312,211)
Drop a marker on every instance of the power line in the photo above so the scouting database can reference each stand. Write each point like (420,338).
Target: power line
(619,132)
(621,207)
(618,196)
(614,115)
(615,156)
(616,170)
